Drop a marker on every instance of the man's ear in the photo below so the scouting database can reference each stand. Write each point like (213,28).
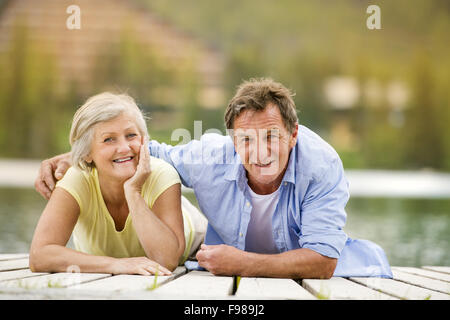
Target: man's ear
(293,137)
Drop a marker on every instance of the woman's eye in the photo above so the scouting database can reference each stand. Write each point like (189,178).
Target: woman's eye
(107,140)
(131,135)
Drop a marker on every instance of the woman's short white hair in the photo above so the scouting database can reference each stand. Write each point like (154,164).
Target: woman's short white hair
(99,108)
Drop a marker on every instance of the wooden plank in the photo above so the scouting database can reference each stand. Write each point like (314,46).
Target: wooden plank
(54,280)
(18,274)
(13,256)
(270,288)
(129,282)
(13,264)
(57,294)
(424,273)
(401,290)
(437,269)
(423,282)
(338,288)
(197,285)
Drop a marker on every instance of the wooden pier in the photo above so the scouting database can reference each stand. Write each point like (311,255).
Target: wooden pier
(18,282)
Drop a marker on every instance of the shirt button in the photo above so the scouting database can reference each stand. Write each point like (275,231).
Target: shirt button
(285,183)
(241,234)
(247,204)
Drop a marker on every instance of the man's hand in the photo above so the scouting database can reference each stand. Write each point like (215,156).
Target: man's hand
(294,264)
(51,170)
(221,259)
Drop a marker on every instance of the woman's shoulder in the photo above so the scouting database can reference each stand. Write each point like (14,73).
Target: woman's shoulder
(76,180)
(78,184)
(74,176)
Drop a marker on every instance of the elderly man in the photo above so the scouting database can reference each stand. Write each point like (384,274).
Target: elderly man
(273,191)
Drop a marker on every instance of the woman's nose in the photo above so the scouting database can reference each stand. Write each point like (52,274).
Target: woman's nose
(123,146)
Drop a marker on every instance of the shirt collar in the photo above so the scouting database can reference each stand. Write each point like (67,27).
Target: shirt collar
(289,174)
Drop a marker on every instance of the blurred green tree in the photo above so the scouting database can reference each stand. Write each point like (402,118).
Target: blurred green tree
(29,103)
(423,135)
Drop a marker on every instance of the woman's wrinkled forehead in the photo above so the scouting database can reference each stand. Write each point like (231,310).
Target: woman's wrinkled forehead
(123,122)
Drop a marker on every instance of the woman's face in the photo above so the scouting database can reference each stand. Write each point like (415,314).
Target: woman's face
(115,148)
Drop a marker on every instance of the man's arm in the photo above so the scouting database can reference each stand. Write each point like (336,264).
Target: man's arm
(191,158)
(321,241)
(51,170)
(294,264)
(323,214)
(187,160)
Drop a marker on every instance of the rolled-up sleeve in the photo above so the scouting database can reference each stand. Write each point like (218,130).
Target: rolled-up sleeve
(323,212)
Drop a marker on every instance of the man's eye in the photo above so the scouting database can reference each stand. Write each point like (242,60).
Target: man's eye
(131,135)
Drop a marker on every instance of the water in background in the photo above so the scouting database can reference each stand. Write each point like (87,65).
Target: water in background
(413,232)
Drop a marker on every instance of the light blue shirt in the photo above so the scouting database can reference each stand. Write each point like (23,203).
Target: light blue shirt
(311,208)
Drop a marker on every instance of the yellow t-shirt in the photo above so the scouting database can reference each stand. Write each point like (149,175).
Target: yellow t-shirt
(95,231)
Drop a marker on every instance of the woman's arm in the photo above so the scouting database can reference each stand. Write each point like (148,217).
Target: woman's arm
(159,229)
(48,252)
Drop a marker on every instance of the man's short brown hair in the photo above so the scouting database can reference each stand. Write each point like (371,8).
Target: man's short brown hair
(257,94)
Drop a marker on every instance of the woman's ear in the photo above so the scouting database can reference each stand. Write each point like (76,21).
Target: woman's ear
(88,159)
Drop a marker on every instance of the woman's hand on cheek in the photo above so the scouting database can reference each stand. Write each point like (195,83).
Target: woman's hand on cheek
(135,183)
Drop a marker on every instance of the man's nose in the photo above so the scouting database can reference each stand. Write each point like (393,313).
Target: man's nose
(260,152)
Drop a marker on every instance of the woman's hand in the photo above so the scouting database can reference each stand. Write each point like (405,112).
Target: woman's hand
(138,265)
(135,183)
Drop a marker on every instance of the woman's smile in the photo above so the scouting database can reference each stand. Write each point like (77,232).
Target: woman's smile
(123,160)
(115,148)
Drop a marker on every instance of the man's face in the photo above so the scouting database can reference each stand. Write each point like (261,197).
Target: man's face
(264,144)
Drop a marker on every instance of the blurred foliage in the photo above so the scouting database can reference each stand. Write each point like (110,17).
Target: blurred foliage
(299,43)
(36,113)
(31,112)
(302,43)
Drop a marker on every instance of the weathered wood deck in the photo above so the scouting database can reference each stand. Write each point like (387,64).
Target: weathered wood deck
(18,282)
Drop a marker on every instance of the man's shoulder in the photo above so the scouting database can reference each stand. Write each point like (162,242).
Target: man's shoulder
(310,140)
(315,155)
(215,139)
(217,149)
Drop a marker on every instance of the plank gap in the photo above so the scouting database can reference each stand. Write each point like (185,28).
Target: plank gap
(422,282)
(400,289)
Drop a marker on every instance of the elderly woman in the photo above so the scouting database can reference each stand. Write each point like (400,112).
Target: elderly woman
(124,207)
